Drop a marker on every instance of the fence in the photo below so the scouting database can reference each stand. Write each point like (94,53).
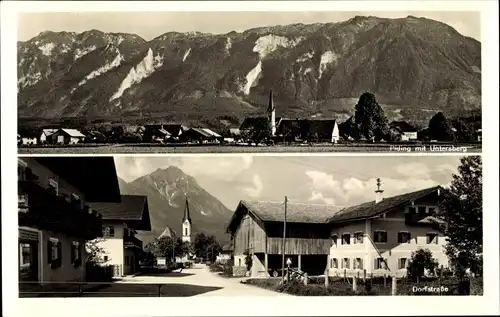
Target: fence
(89,289)
(387,284)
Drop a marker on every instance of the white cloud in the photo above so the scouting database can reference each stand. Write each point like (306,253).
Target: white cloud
(319,198)
(256,189)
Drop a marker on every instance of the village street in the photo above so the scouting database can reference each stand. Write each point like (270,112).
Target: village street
(195,281)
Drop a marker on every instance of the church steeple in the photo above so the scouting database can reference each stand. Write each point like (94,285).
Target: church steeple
(186,223)
(271,114)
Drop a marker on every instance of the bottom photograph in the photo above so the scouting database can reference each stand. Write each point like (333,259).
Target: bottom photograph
(160,226)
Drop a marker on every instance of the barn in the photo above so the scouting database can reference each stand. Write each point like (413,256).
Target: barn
(256,229)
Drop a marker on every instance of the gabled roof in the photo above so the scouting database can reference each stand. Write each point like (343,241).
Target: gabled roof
(132,209)
(372,210)
(212,133)
(164,132)
(199,131)
(266,211)
(48,132)
(403,126)
(73,133)
(187,215)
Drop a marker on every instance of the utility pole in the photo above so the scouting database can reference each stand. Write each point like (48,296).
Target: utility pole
(283,250)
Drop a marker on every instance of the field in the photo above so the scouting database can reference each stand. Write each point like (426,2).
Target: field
(316,148)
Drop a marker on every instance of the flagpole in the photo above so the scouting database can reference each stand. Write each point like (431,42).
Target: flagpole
(283,250)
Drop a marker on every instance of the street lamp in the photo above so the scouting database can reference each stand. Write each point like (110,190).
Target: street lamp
(289,262)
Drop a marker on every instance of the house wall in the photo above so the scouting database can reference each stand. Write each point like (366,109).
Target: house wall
(113,247)
(295,246)
(335,133)
(249,236)
(391,251)
(66,272)
(29,141)
(409,136)
(73,140)
(128,266)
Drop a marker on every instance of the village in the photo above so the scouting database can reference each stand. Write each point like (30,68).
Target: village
(77,237)
(266,130)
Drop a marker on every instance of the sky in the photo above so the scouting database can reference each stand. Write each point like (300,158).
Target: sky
(333,180)
(152,24)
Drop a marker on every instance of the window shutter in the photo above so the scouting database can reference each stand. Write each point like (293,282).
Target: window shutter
(49,251)
(59,253)
(73,249)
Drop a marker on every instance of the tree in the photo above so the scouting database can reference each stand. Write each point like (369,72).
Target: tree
(420,261)
(370,118)
(206,246)
(462,212)
(95,253)
(464,131)
(440,128)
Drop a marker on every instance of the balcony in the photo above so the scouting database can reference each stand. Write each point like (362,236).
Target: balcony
(40,208)
(132,242)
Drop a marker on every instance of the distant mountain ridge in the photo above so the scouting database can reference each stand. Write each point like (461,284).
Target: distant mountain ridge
(316,69)
(167,190)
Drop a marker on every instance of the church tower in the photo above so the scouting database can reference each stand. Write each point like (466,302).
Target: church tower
(186,224)
(271,115)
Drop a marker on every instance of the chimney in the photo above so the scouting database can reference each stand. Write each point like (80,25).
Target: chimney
(378,192)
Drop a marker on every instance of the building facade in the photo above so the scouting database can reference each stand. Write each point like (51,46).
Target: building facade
(55,220)
(121,221)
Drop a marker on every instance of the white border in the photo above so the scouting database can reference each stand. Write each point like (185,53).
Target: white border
(307,306)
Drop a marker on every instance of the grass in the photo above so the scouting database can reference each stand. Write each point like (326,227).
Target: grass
(341,287)
(144,148)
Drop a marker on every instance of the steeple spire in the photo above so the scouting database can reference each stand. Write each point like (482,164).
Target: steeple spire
(187,216)
(271,115)
(270,107)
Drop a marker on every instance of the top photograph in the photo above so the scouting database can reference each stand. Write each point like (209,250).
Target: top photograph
(248,82)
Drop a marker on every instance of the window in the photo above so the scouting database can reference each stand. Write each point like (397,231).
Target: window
(402,263)
(54,252)
(412,210)
(380,264)
(358,237)
(345,263)
(404,237)
(358,263)
(335,239)
(346,238)
(380,236)
(432,238)
(422,210)
(239,262)
(185,231)
(108,232)
(334,264)
(75,252)
(431,210)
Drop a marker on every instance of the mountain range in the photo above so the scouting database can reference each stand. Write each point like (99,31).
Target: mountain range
(167,190)
(314,70)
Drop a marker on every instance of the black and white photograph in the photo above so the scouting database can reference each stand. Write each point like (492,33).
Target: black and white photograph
(211,82)
(191,226)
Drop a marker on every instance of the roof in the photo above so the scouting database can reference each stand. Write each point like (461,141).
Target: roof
(168,232)
(227,247)
(49,131)
(275,212)
(133,209)
(234,131)
(187,215)
(403,126)
(164,132)
(94,176)
(73,133)
(372,210)
(212,133)
(258,123)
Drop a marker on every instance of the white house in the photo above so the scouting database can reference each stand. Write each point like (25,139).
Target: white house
(120,222)
(380,236)
(406,130)
(67,136)
(45,135)
(55,220)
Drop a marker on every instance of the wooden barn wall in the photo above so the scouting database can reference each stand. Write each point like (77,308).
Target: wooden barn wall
(298,230)
(249,236)
(305,246)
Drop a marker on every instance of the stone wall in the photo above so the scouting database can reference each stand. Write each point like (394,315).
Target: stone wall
(239,271)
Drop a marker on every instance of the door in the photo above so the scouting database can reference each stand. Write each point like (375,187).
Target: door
(28,261)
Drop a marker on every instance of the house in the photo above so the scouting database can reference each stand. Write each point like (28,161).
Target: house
(479,135)
(163,132)
(379,236)
(55,219)
(120,222)
(226,254)
(319,130)
(201,135)
(45,135)
(256,229)
(67,136)
(406,130)
(29,140)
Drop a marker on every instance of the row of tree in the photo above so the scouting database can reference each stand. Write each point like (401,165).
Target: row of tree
(205,247)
